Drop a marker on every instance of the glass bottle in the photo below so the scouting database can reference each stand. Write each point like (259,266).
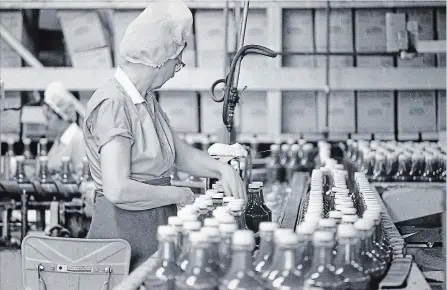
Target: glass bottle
(293,164)
(307,161)
(20,176)
(66,175)
(417,166)
(85,173)
(255,213)
(217,199)
(345,262)
(327,225)
(165,271)
(241,274)
(380,168)
(284,155)
(43,170)
(274,263)
(213,252)
(43,149)
(238,213)
(226,200)
(177,223)
(10,163)
(322,272)
(27,149)
(429,174)
(197,275)
(264,206)
(225,252)
(305,250)
(376,247)
(369,262)
(264,256)
(203,211)
(188,228)
(404,168)
(336,215)
(286,275)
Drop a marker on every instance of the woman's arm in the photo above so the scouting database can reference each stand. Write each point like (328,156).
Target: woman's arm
(198,163)
(130,194)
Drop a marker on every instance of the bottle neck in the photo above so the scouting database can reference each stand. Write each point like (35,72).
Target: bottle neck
(323,254)
(186,247)
(166,250)
(198,256)
(287,257)
(365,240)
(65,171)
(27,151)
(20,174)
(254,197)
(240,219)
(241,260)
(43,171)
(346,251)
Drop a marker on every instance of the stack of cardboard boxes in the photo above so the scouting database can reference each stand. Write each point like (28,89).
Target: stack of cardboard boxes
(16,23)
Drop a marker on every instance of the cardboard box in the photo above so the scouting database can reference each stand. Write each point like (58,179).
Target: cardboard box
(395,24)
(48,20)
(256,32)
(83,30)
(211,115)
(34,122)
(10,120)
(441,111)
(375,112)
(335,61)
(182,110)
(299,112)
(441,23)
(416,111)
(210,30)
(341,30)
(441,60)
(189,58)
(298,61)
(14,22)
(211,59)
(370,30)
(298,27)
(254,113)
(95,58)
(375,61)
(341,112)
(121,20)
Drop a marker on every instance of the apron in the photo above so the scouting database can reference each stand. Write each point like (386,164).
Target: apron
(139,228)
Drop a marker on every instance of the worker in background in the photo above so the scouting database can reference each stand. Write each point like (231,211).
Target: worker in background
(129,143)
(58,109)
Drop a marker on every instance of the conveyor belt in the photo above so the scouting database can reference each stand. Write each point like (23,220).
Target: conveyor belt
(10,189)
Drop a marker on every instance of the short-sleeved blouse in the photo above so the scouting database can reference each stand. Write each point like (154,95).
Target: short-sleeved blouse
(111,112)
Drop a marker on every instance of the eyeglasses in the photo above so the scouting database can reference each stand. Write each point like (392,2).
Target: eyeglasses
(179,66)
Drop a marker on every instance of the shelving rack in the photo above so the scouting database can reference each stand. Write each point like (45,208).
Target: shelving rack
(199,79)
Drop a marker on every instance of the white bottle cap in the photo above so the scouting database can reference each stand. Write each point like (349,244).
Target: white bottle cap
(209,202)
(217,195)
(323,236)
(219,182)
(211,232)
(43,158)
(187,217)
(192,225)
(268,226)
(26,141)
(243,238)
(203,204)
(20,158)
(238,200)
(349,218)
(210,192)
(198,238)
(65,159)
(349,210)
(221,209)
(280,232)
(227,199)
(234,207)
(190,209)
(289,239)
(374,216)
(327,223)
(226,219)
(305,228)
(260,183)
(43,141)
(335,214)
(211,222)
(227,227)
(363,224)
(175,221)
(166,231)
(346,231)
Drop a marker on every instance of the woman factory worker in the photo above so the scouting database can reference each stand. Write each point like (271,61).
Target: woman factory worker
(129,143)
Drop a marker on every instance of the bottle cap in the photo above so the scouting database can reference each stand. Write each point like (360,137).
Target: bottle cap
(227,199)
(234,207)
(260,183)
(335,214)
(191,208)
(223,209)
(374,216)
(211,232)
(218,183)
(305,228)
(217,195)
(20,158)
(327,223)
(349,210)
(363,224)
(166,231)
(191,225)
(84,159)
(210,192)
(280,232)
(323,236)
(175,221)
(346,231)
(65,159)
(203,205)
(226,219)
(268,226)
(290,239)
(43,141)
(186,217)
(197,238)
(211,222)
(238,200)
(253,186)
(43,158)
(349,218)
(227,228)
(243,238)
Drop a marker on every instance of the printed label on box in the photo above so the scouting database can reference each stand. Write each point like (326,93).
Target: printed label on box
(210,30)
(416,111)
(375,112)
(254,113)
(441,111)
(341,112)
(299,114)
(340,30)
(83,30)
(370,30)
(182,110)
(298,30)
(375,61)
(95,58)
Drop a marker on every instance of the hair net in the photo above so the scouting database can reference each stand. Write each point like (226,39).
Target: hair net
(157,34)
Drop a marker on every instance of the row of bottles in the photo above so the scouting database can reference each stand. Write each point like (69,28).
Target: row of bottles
(399,161)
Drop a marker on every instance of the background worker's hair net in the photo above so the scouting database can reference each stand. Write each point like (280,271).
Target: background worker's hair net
(158,34)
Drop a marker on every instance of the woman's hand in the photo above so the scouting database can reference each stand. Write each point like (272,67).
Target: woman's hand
(184,195)
(232,182)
